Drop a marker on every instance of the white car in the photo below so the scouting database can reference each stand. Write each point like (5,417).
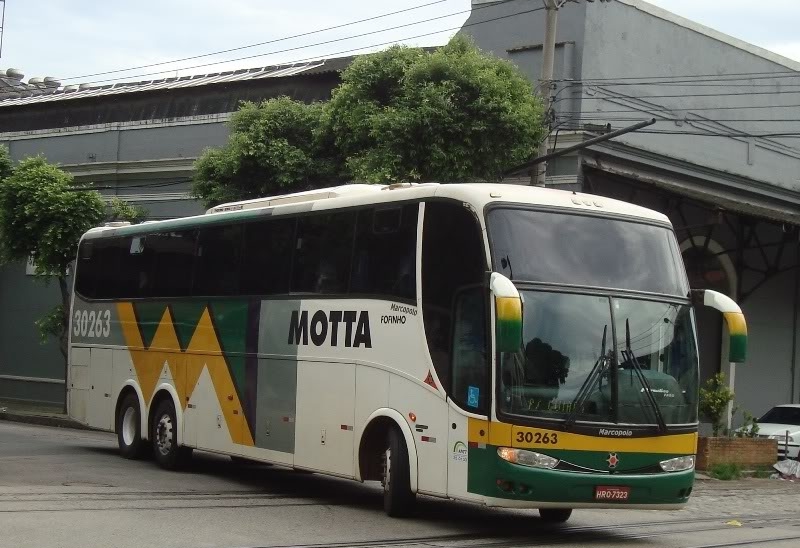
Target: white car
(774,425)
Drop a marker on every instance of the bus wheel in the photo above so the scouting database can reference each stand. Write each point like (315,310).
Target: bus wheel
(168,453)
(398,499)
(129,432)
(555,515)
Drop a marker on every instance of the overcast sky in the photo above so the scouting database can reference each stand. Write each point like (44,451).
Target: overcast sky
(73,39)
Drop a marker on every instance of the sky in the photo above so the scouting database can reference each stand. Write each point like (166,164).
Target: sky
(73,40)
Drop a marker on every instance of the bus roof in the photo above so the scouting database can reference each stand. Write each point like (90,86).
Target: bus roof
(478,195)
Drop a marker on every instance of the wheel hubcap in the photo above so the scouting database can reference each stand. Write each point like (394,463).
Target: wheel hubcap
(129,422)
(164,430)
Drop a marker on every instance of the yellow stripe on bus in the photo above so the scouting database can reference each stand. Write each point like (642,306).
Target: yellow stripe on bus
(503,434)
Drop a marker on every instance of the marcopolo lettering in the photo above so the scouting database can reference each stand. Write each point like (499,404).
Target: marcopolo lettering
(616,432)
(326,327)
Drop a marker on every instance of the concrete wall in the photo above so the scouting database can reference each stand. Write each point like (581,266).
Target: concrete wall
(625,41)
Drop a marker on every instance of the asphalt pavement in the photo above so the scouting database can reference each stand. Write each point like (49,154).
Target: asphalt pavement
(68,488)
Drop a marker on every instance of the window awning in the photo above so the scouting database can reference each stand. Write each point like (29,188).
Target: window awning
(709,192)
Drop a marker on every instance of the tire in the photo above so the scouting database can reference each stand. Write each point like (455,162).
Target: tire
(398,499)
(555,515)
(164,437)
(129,429)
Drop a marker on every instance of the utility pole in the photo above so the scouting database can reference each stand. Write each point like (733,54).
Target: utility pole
(546,80)
(2,24)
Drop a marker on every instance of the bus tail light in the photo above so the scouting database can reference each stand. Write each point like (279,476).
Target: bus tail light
(678,464)
(526,458)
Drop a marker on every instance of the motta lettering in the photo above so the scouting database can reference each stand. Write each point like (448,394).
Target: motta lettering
(347,327)
(616,433)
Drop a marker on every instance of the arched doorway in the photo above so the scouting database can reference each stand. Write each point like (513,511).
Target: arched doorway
(709,267)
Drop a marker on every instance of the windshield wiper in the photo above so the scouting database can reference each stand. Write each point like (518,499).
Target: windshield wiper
(629,356)
(586,387)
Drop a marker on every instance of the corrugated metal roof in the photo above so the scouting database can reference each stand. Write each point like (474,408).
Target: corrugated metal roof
(18,93)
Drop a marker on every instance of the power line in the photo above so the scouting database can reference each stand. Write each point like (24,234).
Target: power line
(276,40)
(599,116)
(680,95)
(343,52)
(790,135)
(648,108)
(335,40)
(766,74)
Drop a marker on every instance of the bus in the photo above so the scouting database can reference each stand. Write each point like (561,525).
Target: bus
(506,345)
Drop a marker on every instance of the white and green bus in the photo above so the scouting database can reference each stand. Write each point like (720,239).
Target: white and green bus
(506,345)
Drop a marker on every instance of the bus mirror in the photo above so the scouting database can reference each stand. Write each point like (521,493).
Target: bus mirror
(508,313)
(737,326)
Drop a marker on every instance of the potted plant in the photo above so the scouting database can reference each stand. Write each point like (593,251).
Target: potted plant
(741,447)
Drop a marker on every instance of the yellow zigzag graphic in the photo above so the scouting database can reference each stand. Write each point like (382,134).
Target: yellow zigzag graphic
(204,350)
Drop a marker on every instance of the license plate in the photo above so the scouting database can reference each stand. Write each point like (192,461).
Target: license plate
(611,493)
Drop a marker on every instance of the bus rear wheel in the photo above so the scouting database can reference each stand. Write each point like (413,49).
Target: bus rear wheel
(555,515)
(129,431)
(398,499)
(164,435)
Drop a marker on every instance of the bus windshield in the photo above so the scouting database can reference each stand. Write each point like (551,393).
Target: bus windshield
(596,358)
(541,246)
(569,368)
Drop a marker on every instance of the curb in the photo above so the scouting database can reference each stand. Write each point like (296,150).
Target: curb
(61,421)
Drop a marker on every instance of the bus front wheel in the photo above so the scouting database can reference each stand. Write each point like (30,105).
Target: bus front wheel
(555,515)
(129,431)
(398,499)
(164,434)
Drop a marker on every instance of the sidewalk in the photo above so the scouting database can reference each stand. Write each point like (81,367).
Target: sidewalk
(36,413)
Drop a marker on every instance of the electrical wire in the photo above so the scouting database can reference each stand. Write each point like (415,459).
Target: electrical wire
(239,48)
(339,53)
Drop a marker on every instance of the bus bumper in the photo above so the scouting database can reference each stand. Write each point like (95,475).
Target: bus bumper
(505,484)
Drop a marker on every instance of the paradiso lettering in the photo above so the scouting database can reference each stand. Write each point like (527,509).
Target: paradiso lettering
(325,327)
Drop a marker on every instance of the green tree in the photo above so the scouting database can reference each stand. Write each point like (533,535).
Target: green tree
(404,114)
(452,115)
(275,147)
(42,219)
(120,210)
(714,399)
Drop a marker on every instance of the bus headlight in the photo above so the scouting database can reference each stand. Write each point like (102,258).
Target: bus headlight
(678,464)
(526,458)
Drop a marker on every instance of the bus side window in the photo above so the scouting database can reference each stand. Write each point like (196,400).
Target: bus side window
(384,261)
(267,257)
(97,268)
(322,253)
(216,270)
(453,259)
(171,275)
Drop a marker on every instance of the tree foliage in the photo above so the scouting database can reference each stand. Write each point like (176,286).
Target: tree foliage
(120,210)
(42,219)
(714,399)
(274,147)
(403,114)
(455,114)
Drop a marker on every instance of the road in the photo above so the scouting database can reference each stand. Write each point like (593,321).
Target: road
(68,488)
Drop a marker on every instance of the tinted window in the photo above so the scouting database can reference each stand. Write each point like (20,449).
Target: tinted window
(173,261)
(323,251)
(452,260)
(137,261)
(267,257)
(385,252)
(219,252)
(470,369)
(98,268)
(581,250)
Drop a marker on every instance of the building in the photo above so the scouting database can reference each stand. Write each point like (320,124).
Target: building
(722,161)
(718,161)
